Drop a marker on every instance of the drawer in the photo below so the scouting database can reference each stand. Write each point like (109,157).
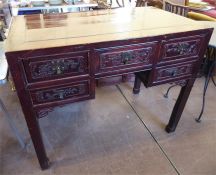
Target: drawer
(48,67)
(180,48)
(63,92)
(121,57)
(172,72)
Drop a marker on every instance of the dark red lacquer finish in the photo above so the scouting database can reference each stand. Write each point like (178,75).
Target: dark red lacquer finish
(46,78)
(47,67)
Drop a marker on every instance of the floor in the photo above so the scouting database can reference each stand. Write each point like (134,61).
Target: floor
(117,133)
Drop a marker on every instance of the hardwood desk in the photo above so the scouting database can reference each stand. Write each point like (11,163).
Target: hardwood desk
(55,59)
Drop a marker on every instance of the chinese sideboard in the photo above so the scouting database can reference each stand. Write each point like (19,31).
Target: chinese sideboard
(55,59)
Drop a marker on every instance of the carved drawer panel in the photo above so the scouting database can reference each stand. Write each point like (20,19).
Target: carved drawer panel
(181,48)
(170,73)
(120,57)
(61,92)
(56,66)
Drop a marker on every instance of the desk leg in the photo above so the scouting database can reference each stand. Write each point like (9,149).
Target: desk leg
(30,115)
(37,140)
(179,106)
(137,84)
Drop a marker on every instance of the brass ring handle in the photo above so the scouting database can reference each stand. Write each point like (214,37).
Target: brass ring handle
(61,96)
(174,73)
(125,61)
(58,66)
(59,71)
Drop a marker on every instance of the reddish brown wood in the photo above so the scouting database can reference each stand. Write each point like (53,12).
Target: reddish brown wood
(186,89)
(131,56)
(171,73)
(46,78)
(29,113)
(137,84)
(176,49)
(179,106)
(48,67)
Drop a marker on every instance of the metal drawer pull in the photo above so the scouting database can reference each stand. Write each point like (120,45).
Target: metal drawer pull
(174,73)
(61,95)
(126,57)
(59,66)
(180,70)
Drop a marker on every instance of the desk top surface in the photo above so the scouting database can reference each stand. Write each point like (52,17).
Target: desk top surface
(53,30)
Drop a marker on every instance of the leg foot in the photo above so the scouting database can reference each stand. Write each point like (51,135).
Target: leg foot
(169,129)
(137,84)
(136,91)
(45,165)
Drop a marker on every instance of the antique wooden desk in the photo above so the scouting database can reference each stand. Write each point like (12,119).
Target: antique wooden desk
(55,59)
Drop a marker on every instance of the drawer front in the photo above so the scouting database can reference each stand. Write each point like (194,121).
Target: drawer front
(61,92)
(170,73)
(181,48)
(120,57)
(56,66)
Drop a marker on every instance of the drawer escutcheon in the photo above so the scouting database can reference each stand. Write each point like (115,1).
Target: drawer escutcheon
(125,57)
(60,94)
(181,48)
(174,71)
(57,67)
